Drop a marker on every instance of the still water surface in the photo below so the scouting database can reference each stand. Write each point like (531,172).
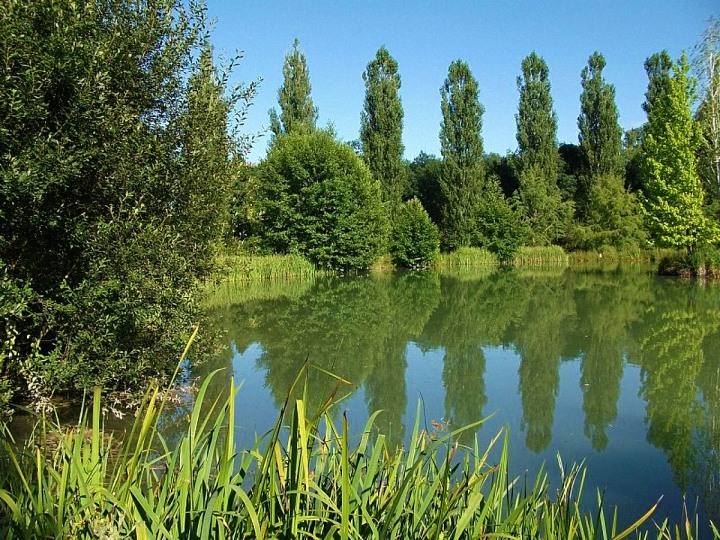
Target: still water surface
(619,369)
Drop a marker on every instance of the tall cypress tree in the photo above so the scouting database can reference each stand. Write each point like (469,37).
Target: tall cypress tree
(461,147)
(672,191)
(381,126)
(545,212)
(297,111)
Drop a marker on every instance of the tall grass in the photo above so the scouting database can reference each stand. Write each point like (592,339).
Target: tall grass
(306,480)
(541,256)
(266,267)
(468,256)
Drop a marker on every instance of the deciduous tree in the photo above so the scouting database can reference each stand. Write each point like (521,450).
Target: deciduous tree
(297,111)
(381,125)
(672,194)
(545,212)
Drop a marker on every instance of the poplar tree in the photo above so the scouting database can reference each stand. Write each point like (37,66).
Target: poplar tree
(461,147)
(608,213)
(600,133)
(381,126)
(297,111)
(539,162)
(475,211)
(672,192)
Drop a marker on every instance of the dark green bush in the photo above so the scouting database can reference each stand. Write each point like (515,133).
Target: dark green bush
(116,171)
(415,240)
(317,198)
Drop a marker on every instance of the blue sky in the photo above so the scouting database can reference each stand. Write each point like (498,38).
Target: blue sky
(339,38)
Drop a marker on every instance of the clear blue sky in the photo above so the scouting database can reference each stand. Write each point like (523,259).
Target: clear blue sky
(339,38)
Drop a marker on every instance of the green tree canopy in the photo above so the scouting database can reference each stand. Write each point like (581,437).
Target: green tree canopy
(381,126)
(672,193)
(115,174)
(539,163)
(318,198)
(461,147)
(609,215)
(600,133)
(297,111)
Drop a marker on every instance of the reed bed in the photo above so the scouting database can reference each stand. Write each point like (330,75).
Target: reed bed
(267,267)
(306,480)
(468,256)
(541,256)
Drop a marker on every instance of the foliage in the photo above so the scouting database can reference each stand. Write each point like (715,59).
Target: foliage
(415,239)
(468,256)
(613,218)
(609,215)
(462,149)
(706,64)
(672,194)
(425,178)
(600,133)
(541,256)
(265,267)
(297,112)
(117,157)
(546,214)
(318,199)
(381,125)
(308,480)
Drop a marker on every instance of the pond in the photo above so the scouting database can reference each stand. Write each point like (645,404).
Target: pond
(618,368)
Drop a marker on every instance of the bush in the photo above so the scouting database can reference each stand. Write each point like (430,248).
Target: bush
(116,170)
(317,198)
(415,240)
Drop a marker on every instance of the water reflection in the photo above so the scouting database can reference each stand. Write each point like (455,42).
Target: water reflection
(597,324)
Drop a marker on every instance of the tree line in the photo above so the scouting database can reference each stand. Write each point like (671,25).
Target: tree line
(122,177)
(654,186)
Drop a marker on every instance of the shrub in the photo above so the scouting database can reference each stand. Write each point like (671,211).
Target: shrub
(116,172)
(415,240)
(317,198)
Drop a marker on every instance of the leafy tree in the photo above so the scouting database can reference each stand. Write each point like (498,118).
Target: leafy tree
(672,194)
(475,211)
(113,141)
(415,240)
(658,68)
(609,215)
(425,178)
(707,67)
(318,198)
(545,212)
(600,133)
(297,112)
(462,150)
(381,127)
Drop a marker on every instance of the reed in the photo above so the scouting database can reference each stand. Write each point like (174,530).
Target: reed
(541,256)
(468,256)
(306,480)
(266,267)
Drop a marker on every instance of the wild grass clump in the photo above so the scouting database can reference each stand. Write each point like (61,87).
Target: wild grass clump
(306,480)
(468,256)
(266,267)
(541,256)
(701,263)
